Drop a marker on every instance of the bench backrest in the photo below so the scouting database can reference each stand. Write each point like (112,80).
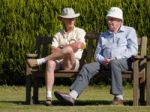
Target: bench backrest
(92,39)
(42,47)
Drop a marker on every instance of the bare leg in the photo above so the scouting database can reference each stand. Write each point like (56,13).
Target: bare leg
(54,56)
(49,80)
(69,62)
(65,52)
(69,59)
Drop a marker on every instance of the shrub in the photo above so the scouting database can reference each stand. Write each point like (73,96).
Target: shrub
(22,20)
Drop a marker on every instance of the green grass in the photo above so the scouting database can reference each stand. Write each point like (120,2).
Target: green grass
(93,99)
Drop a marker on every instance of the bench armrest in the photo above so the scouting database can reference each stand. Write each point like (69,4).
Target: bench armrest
(147,57)
(138,57)
(33,55)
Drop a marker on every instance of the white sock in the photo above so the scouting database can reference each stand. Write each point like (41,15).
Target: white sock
(120,96)
(48,94)
(41,61)
(73,94)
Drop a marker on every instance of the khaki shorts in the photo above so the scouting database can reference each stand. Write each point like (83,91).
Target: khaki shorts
(59,65)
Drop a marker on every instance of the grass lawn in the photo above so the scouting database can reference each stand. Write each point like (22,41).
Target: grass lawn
(93,99)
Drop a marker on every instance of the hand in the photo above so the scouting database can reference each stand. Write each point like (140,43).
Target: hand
(106,62)
(77,45)
(80,44)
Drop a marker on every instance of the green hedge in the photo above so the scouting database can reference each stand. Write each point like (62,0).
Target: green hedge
(22,20)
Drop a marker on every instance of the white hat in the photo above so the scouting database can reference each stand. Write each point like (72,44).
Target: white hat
(68,13)
(115,12)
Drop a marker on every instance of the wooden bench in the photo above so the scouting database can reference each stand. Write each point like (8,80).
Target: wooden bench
(148,80)
(137,75)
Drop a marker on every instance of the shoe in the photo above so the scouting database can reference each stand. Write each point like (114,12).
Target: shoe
(35,101)
(66,99)
(32,62)
(117,101)
(48,101)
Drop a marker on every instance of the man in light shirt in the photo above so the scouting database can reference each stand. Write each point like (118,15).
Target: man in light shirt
(115,48)
(67,48)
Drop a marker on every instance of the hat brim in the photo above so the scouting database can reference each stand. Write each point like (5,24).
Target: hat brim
(69,16)
(114,16)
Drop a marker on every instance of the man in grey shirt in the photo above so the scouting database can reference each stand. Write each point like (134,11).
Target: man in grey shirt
(114,51)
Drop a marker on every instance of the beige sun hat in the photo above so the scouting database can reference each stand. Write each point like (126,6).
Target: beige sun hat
(68,13)
(115,12)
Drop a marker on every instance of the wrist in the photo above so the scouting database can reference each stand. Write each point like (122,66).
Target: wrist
(61,46)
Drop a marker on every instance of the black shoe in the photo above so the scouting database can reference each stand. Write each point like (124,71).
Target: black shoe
(66,99)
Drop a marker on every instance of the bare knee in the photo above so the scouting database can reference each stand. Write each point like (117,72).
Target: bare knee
(68,50)
(51,65)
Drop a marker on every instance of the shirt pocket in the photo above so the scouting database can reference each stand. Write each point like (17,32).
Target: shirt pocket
(121,42)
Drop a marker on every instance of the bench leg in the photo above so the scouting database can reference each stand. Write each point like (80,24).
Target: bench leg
(35,89)
(135,95)
(148,82)
(142,93)
(28,89)
(136,84)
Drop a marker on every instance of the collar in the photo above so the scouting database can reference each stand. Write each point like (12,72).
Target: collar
(122,29)
(64,32)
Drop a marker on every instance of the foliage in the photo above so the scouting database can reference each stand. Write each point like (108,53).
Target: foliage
(22,20)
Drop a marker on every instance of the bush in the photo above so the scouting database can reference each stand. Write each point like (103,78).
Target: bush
(22,20)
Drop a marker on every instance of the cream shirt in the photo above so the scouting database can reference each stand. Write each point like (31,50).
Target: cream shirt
(63,38)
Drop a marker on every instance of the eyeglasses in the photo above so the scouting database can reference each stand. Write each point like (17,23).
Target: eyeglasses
(113,19)
(70,19)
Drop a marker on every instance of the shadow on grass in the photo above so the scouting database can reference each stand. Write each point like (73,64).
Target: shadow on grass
(93,102)
(78,102)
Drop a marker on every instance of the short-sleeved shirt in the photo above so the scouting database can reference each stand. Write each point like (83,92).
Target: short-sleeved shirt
(62,38)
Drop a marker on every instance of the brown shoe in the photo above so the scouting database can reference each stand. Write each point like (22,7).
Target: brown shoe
(66,99)
(32,62)
(117,101)
(48,101)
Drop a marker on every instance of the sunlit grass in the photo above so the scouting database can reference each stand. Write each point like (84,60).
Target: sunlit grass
(93,99)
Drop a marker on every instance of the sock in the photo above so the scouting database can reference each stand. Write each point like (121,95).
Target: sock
(48,94)
(73,94)
(41,61)
(120,96)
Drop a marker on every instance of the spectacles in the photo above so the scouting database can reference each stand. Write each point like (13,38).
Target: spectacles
(70,19)
(113,19)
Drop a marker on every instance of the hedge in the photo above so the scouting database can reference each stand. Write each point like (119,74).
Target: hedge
(22,20)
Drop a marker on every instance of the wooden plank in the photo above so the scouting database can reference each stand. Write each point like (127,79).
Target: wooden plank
(28,89)
(148,81)
(144,46)
(65,74)
(135,83)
